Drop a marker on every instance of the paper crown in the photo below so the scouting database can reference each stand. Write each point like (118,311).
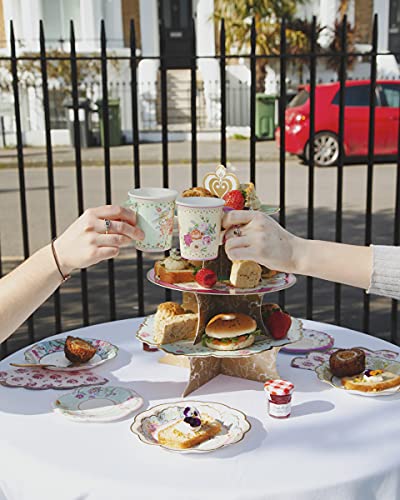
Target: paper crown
(221,181)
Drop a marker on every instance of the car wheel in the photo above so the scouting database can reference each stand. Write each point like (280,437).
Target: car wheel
(326,149)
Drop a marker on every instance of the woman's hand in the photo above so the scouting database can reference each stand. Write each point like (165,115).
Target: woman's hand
(261,239)
(85,241)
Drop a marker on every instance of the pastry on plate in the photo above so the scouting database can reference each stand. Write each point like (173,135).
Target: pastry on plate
(173,323)
(245,274)
(252,201)
(197,191)
(78,350)
(230,332)
(189,431)
(174,269)
(347,362)
(372,381)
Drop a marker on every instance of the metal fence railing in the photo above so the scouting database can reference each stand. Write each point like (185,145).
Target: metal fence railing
(283,57)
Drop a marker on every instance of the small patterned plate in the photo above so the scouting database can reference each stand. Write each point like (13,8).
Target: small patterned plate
(146,331)
(371,363)
(98,404)
(269,209)
(234,424)
(280,281)
(311,341)
(52,352)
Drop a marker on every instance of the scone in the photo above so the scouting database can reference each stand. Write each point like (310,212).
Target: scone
(180,435)
(372,381)
(172,323)
(245,274)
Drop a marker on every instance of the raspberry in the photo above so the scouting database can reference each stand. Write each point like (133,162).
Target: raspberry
(206,278)
(234,199)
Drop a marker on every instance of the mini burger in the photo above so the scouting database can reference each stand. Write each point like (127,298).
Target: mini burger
(229,332)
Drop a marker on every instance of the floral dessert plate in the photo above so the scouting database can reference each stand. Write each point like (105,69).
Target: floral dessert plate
(234,424)
(146,333)
(371,363)
(51,352)
(280,281)
(98,404)
(311,341)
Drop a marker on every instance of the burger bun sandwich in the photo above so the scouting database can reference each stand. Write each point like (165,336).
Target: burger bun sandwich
(230,332)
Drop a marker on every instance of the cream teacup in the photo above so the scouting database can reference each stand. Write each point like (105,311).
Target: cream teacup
(155,208)
(199,221)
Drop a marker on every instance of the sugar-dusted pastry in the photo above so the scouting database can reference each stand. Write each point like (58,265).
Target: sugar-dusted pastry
(347,362)
(372,381)
(189,431)
(245,274)
(78,350)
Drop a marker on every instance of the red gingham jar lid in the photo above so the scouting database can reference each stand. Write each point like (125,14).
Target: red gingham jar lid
(279,387)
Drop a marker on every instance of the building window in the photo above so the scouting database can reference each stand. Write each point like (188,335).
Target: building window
(56,17)
(394,27)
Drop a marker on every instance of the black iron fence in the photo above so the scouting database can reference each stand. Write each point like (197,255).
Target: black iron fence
(283,58)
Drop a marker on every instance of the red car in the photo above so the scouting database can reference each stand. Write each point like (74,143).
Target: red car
(387,115)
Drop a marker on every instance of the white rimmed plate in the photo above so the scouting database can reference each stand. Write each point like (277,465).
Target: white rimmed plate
(372,363)
(234,424)
(52,352)
(312,341)
(98,403)
(146,334)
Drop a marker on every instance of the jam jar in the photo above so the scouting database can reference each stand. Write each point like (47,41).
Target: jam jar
(279,395)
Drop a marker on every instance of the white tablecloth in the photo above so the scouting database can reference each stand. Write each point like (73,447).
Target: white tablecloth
(334,446)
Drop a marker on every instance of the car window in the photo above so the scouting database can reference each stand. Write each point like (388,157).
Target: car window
(357,95)
(299,99)
(390,95)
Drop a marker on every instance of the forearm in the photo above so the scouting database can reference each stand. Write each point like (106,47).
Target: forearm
(347,264)
(23,290)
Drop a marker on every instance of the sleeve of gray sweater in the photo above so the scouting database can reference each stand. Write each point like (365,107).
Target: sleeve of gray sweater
(385,279)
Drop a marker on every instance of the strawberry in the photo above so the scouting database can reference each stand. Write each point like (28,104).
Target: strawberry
(278,324)
(234,199)
(206,278)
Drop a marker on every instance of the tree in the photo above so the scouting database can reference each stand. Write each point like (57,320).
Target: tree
(268,14)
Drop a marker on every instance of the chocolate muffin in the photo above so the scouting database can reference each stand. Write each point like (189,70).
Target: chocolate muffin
(347,362)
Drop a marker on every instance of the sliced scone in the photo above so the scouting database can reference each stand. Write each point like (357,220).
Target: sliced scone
(174,328)
(180,435)
(245,274)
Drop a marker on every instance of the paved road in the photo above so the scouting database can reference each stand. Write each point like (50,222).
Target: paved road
(268,188)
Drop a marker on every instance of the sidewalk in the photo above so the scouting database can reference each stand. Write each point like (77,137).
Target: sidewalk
(150,154)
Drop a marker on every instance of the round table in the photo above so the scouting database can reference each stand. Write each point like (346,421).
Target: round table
(334,446)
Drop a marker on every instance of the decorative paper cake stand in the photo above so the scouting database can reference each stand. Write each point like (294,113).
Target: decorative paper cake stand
(258,362)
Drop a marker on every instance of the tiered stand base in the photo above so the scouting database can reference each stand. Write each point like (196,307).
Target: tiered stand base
(259,367)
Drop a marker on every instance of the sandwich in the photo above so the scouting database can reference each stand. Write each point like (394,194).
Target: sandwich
(230,332)
(175,269)
(371,381)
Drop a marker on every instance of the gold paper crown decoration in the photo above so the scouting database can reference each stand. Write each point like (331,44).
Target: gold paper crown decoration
(221,181)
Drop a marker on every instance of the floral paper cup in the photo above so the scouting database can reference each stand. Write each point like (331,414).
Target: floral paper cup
(199,222)
(154,209)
